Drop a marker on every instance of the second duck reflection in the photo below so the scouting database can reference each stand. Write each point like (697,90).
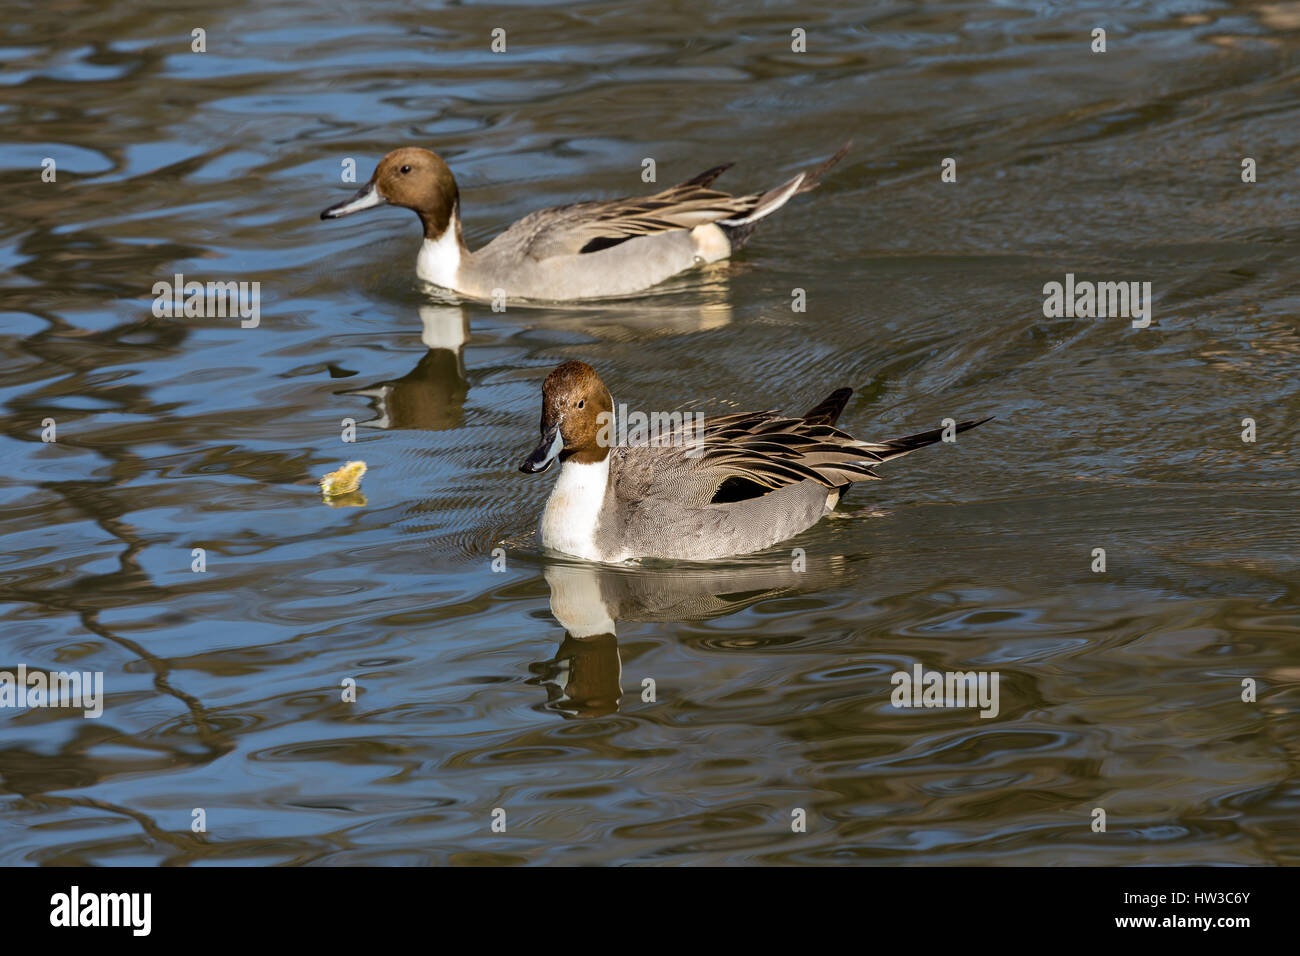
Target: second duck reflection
(432,395)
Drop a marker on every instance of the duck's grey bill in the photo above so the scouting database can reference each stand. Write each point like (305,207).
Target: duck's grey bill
(547,451)
(367,197)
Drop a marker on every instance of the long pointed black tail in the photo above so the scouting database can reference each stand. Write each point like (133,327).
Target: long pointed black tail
(898,447)
(739,228)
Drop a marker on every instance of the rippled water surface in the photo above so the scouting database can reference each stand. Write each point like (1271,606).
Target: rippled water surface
(482,689)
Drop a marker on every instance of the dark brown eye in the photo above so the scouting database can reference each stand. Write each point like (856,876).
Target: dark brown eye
(405,170)
(582,402)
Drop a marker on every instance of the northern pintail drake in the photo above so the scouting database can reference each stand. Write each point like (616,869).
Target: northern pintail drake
(613,247)
(700,489)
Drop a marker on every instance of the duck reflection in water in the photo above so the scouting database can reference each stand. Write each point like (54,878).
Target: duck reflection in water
(584,678)
(432,395)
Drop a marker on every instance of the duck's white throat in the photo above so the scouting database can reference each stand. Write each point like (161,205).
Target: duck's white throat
(439,260)
(573,510)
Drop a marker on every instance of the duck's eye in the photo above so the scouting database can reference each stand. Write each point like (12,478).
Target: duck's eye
(582,402)
(405,170)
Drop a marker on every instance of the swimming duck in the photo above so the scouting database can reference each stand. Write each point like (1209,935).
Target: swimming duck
(700,489)
(610,247)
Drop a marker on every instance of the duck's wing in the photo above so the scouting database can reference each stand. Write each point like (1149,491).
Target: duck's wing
(742,456)
(753,455)
(592,226)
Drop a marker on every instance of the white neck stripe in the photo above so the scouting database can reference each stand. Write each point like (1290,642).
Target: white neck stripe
(439,259)
(573,510)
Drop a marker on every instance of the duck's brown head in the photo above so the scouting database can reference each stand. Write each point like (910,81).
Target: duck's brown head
(577,418)
(414,179)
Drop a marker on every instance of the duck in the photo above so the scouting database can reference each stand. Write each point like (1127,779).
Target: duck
(698,488)
(597,249)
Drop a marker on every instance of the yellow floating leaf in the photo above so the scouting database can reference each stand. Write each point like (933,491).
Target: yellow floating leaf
(344,481)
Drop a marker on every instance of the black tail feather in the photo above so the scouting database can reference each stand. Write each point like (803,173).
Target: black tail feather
(707,177)
(829,409)
(738,233)
(814,176)
(910,443)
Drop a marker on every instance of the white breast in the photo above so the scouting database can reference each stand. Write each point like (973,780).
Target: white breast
(439,260)
(573,510)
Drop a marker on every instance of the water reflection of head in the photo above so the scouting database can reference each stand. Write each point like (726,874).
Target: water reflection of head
(432,395)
